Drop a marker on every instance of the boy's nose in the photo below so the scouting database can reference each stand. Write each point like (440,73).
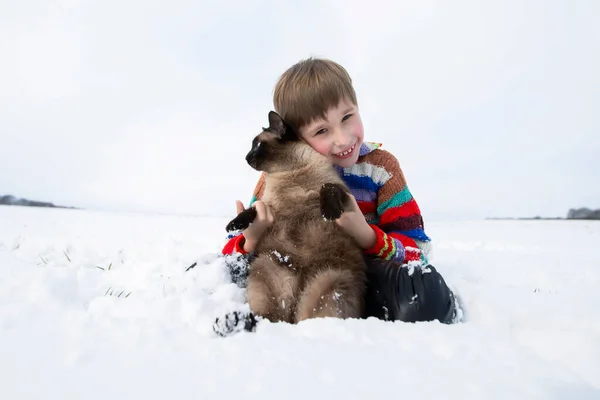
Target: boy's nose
(342,140)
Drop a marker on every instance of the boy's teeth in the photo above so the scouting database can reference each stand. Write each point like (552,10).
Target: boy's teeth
(346,152)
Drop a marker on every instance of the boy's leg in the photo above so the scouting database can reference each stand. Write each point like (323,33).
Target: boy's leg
(236,321)
(394,294)
(238,268)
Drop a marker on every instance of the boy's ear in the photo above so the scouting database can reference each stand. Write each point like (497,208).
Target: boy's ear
(276,124)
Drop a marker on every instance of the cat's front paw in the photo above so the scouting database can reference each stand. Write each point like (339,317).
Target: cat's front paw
(332,201)
(242,220)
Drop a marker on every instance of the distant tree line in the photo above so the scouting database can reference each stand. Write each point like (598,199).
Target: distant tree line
(583,213)
(10,200)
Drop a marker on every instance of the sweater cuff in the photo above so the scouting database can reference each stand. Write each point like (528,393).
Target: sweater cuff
(239,244)
(235,245)
(384,247)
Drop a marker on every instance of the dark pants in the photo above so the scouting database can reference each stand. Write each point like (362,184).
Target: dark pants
(393,293)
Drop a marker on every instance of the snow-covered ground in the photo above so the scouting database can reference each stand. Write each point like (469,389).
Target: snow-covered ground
(97,305)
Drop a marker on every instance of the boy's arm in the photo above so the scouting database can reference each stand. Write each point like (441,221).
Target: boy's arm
(399,227)
(235,240)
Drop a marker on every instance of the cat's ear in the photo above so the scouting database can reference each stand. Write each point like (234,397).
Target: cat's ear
(276,124)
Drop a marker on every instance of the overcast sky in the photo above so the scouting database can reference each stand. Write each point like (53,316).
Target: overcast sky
(492,108)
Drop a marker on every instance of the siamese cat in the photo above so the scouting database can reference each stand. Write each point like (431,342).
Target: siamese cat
(305,265)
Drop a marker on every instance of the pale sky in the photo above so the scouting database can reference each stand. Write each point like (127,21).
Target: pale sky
(492,108)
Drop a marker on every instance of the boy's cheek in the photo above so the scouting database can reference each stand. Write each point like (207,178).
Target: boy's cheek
(321,148)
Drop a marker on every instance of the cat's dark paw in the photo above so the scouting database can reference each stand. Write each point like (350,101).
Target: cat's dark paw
(234,322)
(333,197)
(242,220)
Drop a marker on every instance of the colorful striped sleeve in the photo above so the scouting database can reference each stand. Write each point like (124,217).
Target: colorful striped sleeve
(399,225)
(235,240)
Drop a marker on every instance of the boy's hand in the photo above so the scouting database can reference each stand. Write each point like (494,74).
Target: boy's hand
(353,222)
(264,219)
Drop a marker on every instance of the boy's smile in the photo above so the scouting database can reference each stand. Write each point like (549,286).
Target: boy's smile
(346,153)
(338,136)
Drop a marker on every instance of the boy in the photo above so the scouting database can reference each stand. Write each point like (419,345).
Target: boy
(317,99)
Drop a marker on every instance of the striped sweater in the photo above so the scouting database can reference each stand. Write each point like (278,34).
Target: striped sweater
(380,189)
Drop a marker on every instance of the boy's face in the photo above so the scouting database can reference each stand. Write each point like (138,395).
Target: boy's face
(338,136)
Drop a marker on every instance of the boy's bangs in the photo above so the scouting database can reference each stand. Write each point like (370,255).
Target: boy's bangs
(314,102)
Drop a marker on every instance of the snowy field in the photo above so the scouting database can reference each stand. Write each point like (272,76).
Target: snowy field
(97,305)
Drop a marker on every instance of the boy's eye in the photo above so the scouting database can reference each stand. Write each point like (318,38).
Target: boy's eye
(346,117)
(320,131)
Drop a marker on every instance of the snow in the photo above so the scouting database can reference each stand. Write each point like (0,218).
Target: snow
(71,327)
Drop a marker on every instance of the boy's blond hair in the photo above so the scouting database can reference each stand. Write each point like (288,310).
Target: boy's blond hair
(309,88)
